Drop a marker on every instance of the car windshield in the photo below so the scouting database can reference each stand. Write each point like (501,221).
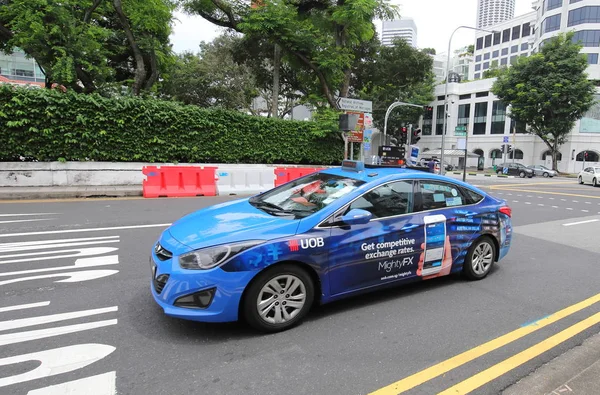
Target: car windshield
(305,196)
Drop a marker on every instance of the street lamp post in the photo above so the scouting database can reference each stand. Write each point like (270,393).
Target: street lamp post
(444,126)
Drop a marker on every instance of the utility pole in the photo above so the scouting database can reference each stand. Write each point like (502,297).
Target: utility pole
(276,66)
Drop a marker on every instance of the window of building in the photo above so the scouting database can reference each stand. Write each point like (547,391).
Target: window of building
(506,35)
(497,37)
(552,4)
(478,58)
(495,54)
(504,51)
(478,67)
(495,154)
(589,14)
(442,98)
(524,47)
(574,1)
(464,97)
(479,44)
(588,38)
(480,118)
(464,112)
(526,29)
(516,32)
(23,73)
(503,61)
(486,65)
(439,121)
(486,56)
(550,24)
(477,76)
(517,127)
(488,41)
(482,94)
(514,49)
(513,59)
(517,153)
(592,156)
(592,58)
(498,117)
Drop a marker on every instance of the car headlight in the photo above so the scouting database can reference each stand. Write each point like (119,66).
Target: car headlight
(207,258)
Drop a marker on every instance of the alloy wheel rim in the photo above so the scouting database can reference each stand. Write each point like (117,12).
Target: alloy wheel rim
(281,299)
(482,258)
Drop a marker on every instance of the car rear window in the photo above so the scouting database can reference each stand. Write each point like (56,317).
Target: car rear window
(471,197)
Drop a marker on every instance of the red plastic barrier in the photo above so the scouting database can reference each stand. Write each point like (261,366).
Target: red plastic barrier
(179,181)
(287,174)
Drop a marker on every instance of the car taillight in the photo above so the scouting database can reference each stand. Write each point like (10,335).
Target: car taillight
(506,210)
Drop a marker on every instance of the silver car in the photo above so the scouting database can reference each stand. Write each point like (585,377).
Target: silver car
(543,171)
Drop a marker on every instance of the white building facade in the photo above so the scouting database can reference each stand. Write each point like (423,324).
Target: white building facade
(491,12)
(404,28)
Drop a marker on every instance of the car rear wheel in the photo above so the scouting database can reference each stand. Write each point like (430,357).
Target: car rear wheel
(580,180)
(278,298)
(594,182)
(522,174)
(479,259)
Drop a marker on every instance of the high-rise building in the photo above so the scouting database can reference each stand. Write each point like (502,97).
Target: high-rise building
(491,12)
(17,67)
(401,28)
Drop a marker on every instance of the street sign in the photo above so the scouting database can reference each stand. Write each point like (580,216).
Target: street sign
(460,128)
(367,135)
(347,104)
(505,139)
(461,144)
(355,136)
(460,133)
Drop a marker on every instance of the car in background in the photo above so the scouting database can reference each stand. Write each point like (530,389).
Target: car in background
(329,235)
(590,175)
(448,166)
(515,169)
(543,171)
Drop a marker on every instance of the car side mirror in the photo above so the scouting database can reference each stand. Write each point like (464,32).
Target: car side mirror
(357,217)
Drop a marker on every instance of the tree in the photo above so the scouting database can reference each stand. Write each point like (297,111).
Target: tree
(85,44)
(211,78)
(548,91)
(394,73)
(430,51)
(321,36)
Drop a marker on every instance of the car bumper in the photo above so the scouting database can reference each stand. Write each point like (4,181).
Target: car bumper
(224,305)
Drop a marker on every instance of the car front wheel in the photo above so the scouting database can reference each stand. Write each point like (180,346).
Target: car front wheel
(479,259)
(546,175)
(580,180)
(522,174)
(278,298)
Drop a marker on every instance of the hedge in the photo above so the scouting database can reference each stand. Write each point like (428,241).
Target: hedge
(48,125)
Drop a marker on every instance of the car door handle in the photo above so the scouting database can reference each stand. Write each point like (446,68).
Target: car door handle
(408,227)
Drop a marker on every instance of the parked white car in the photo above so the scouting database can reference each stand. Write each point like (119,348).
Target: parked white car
(590,175)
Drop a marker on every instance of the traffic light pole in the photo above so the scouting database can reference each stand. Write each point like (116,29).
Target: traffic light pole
(387,114)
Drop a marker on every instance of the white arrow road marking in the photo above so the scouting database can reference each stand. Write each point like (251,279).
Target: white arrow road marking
(102,384)
(47,319)
(20,337)
(70,253)
(80,263)
(56,245)
(73,276)
(24,306)
(56,361)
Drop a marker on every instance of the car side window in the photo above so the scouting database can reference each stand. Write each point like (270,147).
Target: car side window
(387,200)
(436,195)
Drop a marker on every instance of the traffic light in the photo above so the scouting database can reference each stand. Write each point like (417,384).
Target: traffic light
(403,135)
(427,110)
(415,136)
(585,154)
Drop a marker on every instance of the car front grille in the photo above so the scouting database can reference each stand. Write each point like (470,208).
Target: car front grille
(159,282)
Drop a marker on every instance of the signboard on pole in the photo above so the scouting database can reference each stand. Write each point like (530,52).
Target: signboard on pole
(355,136)
(347,104)
(461,144)
(460,131)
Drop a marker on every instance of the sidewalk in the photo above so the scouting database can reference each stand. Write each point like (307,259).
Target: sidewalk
(577,371)
(7,193)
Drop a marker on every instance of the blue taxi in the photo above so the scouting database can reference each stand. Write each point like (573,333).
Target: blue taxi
(326,236)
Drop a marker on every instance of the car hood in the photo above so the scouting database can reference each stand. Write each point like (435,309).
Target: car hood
(230,222)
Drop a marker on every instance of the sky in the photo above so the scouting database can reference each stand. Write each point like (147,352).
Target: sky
(435,20)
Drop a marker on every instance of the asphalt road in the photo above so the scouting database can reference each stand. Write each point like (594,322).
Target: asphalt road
(95,326)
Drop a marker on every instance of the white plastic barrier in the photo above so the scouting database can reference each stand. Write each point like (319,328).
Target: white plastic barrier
(237,180)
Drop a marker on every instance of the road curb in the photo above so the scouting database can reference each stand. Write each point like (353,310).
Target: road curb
(12,193)
(483,175)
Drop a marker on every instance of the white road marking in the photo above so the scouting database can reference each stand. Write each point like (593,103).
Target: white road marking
(551,198)
(24,306)
(564,200)
(70,253)
(21,337)
(575,201)
(529,196)
(519,195)
(26,220)
(540,197)
(26,215)
(554,206)
(73,277)
(54,241)
(586,211)
(527,203)
(53,232)
(46,319)
(56,361)
(515,201)
(581,222)
(588,202)
(102,384)
(509,194)
(80,263)
(540,204)
(55,245)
